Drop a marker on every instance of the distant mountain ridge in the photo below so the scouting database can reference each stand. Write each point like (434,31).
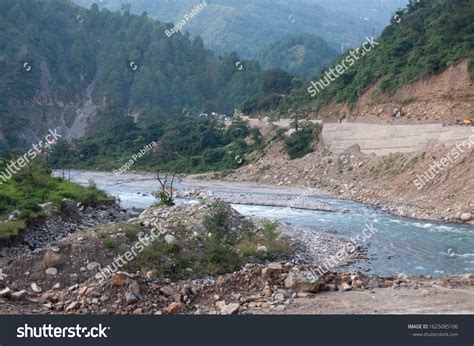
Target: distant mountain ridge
(245,26)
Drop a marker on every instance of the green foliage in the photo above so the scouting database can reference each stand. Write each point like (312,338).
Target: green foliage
(428,37)
(275,247)
(276,80)
(123,62)
(299,143)
(184,144)
(11,229)
(299,54)
(33,185)
(245,26)
(110,243)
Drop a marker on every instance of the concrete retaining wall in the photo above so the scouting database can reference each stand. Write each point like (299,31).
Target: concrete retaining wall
(385,139)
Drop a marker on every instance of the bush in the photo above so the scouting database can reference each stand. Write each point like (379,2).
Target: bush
(11,229)
(299,143)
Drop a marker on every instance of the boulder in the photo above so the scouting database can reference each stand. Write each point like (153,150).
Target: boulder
(174,308)
(230,309)
(35,288)
(20,295)
(167,291)
(73,306)
(465,217)
(130,298)
(5,293)
(274,269)
(118,280)
(300,282)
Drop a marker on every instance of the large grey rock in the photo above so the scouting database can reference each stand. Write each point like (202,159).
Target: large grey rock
(300,282)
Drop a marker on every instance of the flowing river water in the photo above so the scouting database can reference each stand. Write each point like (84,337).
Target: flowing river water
(399,245)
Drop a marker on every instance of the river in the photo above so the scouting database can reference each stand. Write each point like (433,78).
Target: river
(399,245)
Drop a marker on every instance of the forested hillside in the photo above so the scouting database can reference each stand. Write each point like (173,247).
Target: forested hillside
(300,54)
(422,40)
(245,26)
(60,62)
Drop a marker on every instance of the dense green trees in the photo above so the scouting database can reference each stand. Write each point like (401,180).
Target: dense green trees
(183,144)
(299,54)
(126,61)
(424,39)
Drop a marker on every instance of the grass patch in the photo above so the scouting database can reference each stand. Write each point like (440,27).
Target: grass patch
(11,229)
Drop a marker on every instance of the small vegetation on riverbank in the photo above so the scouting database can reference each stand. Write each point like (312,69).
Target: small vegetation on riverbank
(21,196)
(207,239)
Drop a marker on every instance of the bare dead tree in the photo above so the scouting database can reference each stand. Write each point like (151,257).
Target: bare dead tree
(166,192)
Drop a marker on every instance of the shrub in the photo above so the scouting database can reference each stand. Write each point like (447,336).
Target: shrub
(299,143)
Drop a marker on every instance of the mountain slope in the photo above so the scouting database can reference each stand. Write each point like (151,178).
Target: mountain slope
(299,54)
(245,26)
(60,63)
(424,40)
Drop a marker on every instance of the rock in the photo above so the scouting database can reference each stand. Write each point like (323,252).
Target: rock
(5,293)
(73,306)
(130,298)
(220,304)
(14,216)
(272,270)
(465,217)
(299,282)
(92,266)
(151,274)
(52,271)
(20,295)
(35,288)
(48,209)
(57,286)
(230,309)
(279,297)
(346,287)
(167,291)
(82,290)
(174,308)
(170,239)
(138,311)
(118,280)
(134,288)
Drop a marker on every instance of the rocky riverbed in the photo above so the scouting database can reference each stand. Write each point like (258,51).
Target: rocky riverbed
(56,225)
(67,277)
